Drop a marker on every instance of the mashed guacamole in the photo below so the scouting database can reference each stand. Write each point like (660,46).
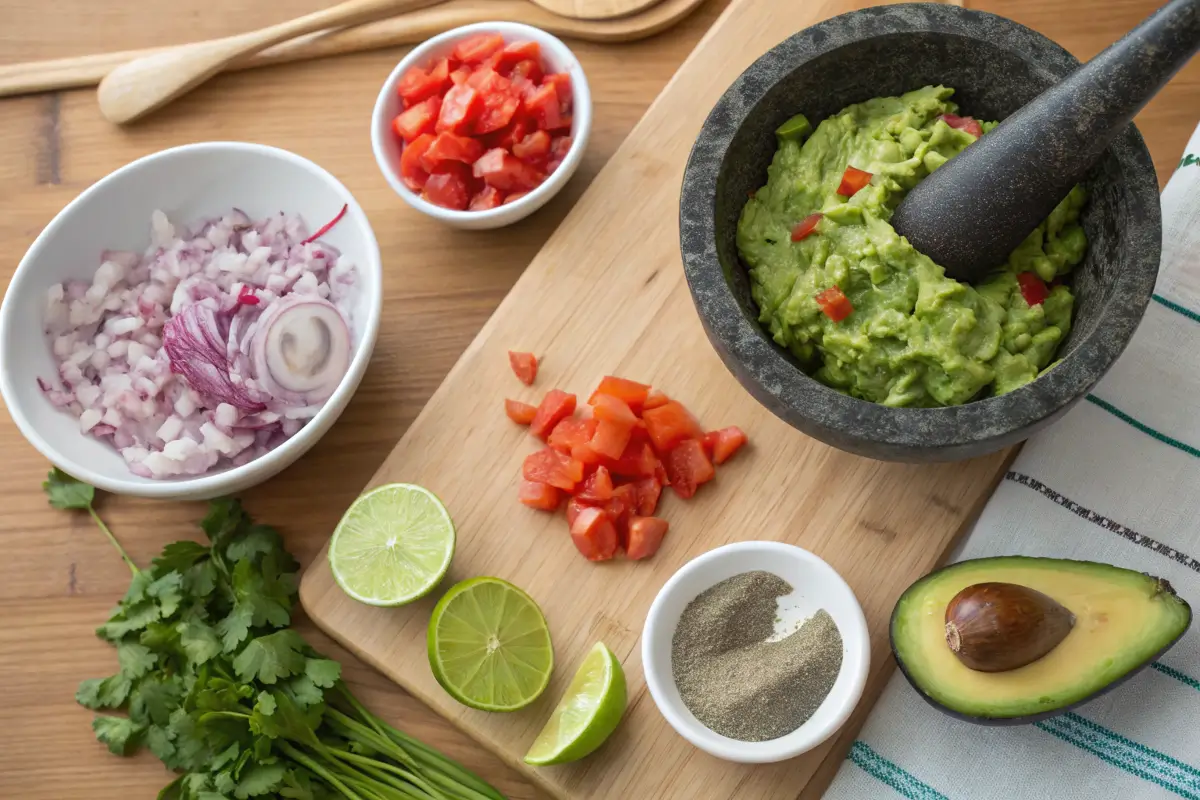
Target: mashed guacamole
(914,337)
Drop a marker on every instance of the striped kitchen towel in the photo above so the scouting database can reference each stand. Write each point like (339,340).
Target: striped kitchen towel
(1116,481)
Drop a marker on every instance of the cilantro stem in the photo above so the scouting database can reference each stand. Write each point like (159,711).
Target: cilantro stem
(113,539)
(371,765)
(317,769)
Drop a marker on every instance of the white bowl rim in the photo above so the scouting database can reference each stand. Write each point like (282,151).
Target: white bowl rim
(855,637)
(210,484)
(580,131)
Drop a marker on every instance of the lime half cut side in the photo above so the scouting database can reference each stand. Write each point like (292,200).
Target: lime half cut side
(393,545)
(489,646)
(586,715)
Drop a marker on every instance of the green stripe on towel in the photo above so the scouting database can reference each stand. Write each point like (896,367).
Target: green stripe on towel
(1146,429)
(1125,754)
(904,782)
(1176,674)
(1178,309)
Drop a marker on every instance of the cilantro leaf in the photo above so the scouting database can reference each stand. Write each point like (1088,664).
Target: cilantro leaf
(200,579)
(323,672)
(168,591)
(64,491)
(271,657)
(135,659)
(128,620)
(260,779)
(102,693)
(120,734)
(158,741)
(286,720)
(302,689)
(223,519)
(198,640)
(160,636)
(154,698)
(235,627)
(258,539)
(179,556)
(190,748)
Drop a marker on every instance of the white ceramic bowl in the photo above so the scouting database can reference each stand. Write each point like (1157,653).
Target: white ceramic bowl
(817,586)
(187,183)
(555,55)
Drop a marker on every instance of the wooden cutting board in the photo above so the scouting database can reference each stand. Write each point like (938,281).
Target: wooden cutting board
(607,295)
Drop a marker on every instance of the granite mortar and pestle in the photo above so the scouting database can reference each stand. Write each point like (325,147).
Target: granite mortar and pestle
(1062,125)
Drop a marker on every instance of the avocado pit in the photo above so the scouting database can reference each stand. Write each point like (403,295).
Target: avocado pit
(996,627)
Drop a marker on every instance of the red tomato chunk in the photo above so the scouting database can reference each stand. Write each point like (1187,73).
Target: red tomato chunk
(539,495)
(500,168)
(645,537)
(594,534)
(520,413)
(524,366)
(450,187)
(1033,288)
(554,468)
(968,124)
(597,487)
(478,48)
(835,304)
(688,467)
(556,406)
(726,442)
(632,393)
(670,424)
(417,119)
(853,180)
(805,227)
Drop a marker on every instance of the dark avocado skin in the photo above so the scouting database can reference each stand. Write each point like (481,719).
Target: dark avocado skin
(1027,719)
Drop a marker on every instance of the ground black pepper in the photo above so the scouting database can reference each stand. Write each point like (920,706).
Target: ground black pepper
(736,682)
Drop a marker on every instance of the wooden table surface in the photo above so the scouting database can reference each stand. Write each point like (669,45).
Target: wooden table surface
(58,575)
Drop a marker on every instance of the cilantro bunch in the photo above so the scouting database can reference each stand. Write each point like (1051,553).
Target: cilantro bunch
(214,682)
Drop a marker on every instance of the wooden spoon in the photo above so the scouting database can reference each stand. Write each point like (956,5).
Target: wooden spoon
(410,28)
(594,9)
(134,89)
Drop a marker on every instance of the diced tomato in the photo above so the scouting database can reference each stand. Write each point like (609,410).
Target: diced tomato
(559,147)
(413,174)
(533,148)
(529,70)
(688,467)
(514,197)
(613,409)
(596,488)
(571,433)
(709,443)
(418,84)
(805,227)
(539,495)
(645,536)
(620,507)
(487,80)
(594,535)
(509,135)
(637,461)
(555,406)
(524,366)
(611,438)
(518,412)
(476,49)
(488,197)
(561,82)
(727,441)
(460,75)
(574,506)
(852,180)
(655,399)
(507,173)
(461,106)
(450,147)
(835,304)
(498,111)
(632,393)
(417,120)
(660,473)
(516,52)
(552,467)
(968,124)
(543,106)
(1033,289)
(450,186)
(670,424)
(648,492)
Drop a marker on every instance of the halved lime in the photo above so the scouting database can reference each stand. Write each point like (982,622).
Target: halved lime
(489,646)
(586,714)
(392,546)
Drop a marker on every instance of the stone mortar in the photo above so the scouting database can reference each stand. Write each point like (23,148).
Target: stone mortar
(996,66)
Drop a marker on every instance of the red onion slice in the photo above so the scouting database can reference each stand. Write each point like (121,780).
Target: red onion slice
(301,350)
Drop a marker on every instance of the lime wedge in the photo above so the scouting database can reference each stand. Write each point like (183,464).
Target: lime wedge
(586,714)
(392,546)
(489,646)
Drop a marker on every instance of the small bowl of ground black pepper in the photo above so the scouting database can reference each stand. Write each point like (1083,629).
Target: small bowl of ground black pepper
(756,651)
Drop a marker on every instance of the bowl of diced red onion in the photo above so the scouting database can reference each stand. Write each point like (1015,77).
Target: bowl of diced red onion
(192,323)
(482,125)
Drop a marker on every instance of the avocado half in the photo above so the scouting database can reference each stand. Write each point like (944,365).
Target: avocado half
(1124,620)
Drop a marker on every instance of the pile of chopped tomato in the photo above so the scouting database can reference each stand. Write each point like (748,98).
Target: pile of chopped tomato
(483,126)
(612,461)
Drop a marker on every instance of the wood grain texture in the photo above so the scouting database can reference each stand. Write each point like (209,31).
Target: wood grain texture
(58,577)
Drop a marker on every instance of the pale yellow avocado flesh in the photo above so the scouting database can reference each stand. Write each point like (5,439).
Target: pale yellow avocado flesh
(1123,619)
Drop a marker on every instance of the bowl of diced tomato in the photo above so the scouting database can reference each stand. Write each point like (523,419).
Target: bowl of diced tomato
(480,126)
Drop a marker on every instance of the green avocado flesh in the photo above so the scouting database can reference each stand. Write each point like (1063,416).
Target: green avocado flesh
(1123,619)
(915,337)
